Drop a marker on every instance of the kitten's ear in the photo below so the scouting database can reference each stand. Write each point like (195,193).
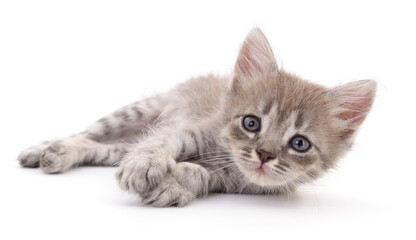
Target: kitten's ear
(352,103)
(255,57)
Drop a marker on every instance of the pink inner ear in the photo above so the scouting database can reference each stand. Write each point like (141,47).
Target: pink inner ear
(352,102)
(247,61)
(356,110)
(256,56)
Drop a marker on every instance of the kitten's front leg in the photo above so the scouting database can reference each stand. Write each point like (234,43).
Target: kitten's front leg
(150,170)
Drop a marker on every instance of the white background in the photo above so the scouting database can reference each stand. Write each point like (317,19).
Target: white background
(64,64)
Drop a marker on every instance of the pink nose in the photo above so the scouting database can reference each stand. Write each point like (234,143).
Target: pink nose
(264,156)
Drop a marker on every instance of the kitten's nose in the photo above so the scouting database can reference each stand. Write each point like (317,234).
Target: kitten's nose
(264,156)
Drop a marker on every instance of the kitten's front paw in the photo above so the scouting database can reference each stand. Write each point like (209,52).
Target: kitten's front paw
(168,194)
(139,174)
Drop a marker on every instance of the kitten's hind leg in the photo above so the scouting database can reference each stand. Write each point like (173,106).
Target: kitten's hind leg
(126,123)
(61,155)
(30,157)
(108,133)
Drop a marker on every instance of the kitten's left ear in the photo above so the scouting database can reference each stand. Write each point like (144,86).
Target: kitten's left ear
(255,57)
(352,103)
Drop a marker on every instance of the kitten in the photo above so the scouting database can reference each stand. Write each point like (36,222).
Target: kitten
(259,131)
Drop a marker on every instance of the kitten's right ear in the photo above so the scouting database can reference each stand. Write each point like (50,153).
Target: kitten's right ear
(255,57)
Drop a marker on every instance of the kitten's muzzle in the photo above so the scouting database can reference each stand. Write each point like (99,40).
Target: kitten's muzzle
(264,156)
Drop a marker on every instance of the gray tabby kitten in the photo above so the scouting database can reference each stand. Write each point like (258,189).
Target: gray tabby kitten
(259,131)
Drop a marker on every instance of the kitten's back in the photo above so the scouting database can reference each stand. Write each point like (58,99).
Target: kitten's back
(199,98)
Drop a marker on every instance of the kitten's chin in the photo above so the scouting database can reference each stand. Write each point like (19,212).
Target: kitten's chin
(261,176)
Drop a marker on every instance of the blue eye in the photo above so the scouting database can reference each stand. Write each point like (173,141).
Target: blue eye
(300,143)
(251,123)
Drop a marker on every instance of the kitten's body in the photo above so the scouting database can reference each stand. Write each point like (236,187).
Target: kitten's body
(193,140)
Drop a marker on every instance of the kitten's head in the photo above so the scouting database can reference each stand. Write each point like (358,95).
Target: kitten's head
(284,130)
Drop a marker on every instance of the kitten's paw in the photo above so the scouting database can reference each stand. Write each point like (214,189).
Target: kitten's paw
(138,174)
(30,157)
(168,194)
(193,177)
(55,158)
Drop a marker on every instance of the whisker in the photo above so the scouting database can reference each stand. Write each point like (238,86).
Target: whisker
(247,160)
(246,149)
(208,153)
(284,164)
(280,167)
(213,156)
(235,172)
(202,157)
(246,155)
(277,171)
(223,167)
(218,159)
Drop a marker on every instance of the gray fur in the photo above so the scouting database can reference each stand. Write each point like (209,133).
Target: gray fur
(186,143)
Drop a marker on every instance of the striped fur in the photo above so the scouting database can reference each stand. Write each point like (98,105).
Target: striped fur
(191,141)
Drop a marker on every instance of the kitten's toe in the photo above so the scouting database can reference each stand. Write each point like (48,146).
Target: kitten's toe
(30,157)
(168,194)
(138,175)
(51,163)
(193,177)
(54,159)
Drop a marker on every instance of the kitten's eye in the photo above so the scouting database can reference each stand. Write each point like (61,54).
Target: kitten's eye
(300,143)
(251,123)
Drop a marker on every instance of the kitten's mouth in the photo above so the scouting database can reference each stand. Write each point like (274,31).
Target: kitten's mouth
(259,168)
(263,170)
(261,174)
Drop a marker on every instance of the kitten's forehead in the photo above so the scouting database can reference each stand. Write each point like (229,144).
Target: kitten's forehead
(283,101)
(288,97)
